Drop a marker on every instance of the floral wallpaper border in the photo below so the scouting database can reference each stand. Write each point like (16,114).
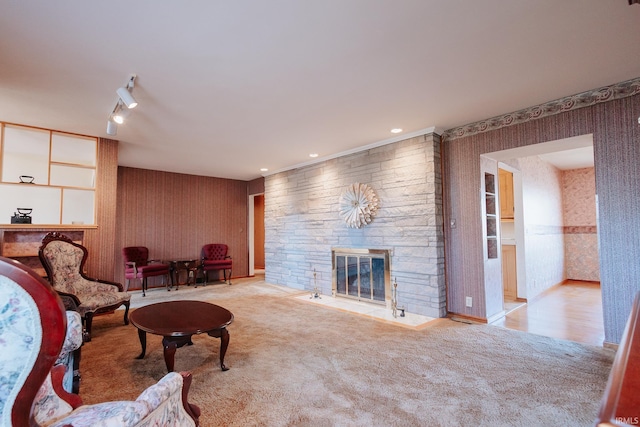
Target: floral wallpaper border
(573,102)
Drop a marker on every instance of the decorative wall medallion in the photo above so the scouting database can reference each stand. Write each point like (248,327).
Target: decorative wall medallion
(358,205)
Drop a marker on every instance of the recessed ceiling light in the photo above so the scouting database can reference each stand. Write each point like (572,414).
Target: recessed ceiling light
(263,169)
(314,155)
(396,130)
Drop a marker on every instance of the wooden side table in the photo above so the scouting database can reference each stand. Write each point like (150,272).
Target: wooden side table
(188,266)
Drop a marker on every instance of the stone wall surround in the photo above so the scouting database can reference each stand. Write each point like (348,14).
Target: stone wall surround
(302,221)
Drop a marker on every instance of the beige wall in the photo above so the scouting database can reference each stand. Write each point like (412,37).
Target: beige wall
(580,234)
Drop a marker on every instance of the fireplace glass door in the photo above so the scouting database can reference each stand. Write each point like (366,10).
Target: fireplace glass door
(361,277)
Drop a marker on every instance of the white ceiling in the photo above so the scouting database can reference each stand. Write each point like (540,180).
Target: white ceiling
(228,87)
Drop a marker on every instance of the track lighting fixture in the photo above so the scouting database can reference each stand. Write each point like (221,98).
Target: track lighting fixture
(119,112)
(125,95)
(112,128)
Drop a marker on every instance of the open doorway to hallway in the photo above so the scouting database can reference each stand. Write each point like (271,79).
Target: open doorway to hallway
(550,235)
(256,235)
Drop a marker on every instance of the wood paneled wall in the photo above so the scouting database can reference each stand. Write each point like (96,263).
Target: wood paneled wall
(174,215)
(616,135)
(100,242)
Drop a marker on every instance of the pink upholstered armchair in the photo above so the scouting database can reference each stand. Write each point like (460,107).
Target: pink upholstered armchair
(137,265)
(64,261)
(214,257)
(33,331)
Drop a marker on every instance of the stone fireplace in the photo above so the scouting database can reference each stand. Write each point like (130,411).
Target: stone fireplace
(361,274)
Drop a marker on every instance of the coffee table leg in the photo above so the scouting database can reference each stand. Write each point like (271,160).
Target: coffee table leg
(223,334)
(169,353)
(224,343)
(143,342)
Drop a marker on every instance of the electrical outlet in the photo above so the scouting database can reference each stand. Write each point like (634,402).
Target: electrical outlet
(469,302)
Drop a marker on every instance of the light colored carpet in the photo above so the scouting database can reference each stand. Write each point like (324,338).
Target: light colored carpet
(298,364)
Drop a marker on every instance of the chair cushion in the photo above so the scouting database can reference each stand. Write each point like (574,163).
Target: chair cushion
(216,264)
(109,414)
(153,269)
(92,302)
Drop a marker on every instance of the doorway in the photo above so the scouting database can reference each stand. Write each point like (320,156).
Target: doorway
(511,232)
(559,244)
(256,234)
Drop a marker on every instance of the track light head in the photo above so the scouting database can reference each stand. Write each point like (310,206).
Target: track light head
(117,118)
(126,97)
(112,128)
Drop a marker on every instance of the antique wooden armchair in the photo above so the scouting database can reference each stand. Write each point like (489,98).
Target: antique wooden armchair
(137,265)
(214,258)
(64,261)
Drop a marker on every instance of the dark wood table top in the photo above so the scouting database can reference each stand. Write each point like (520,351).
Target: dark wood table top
(180,318)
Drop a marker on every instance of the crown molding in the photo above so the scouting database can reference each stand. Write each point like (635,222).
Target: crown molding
(569,103)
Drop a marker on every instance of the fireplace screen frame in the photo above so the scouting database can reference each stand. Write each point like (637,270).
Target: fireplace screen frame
(347,277)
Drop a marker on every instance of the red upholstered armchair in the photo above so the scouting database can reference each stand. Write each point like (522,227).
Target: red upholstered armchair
(137,265)
(214,257)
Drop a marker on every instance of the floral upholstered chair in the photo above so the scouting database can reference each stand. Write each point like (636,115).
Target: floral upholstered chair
(64,261)
(33,328)
(69,356)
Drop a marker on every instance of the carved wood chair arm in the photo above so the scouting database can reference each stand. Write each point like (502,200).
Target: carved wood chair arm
(57,378)
(69,299)
(192,410)
(106,282)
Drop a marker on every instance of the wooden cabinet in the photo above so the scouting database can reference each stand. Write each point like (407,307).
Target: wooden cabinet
(23,244)
(506,194)
(509,278)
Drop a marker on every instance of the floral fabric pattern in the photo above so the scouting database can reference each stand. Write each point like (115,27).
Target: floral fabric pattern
(109,414)
(65,260)
(72,342)
(20,338)
(48,406)
(159,405)
(165,401)
(73,337)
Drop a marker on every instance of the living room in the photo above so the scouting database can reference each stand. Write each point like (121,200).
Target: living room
(427,178)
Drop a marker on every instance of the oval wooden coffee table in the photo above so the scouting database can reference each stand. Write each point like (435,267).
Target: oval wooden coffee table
(177,321)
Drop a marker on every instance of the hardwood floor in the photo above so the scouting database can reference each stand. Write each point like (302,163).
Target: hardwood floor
(571,311)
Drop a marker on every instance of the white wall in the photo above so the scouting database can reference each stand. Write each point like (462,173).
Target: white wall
(543,222)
